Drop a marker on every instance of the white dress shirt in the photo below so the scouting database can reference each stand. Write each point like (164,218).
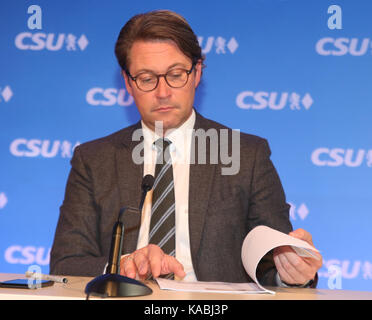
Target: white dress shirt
(180,154)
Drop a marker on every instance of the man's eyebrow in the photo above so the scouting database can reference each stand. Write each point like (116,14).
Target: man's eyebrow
(177,64)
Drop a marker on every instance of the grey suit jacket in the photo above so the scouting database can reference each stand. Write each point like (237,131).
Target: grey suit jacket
(222,208)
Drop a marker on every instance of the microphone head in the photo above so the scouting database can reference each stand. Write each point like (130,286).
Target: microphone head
(147,182)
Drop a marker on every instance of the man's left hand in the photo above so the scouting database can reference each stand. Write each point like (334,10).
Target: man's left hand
(293,269)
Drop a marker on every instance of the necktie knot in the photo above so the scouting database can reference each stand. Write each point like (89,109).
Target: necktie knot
(162,146)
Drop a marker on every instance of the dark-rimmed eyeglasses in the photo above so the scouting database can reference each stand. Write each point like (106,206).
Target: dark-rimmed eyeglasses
(148,81)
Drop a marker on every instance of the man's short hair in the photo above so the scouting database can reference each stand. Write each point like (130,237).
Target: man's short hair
(159,25)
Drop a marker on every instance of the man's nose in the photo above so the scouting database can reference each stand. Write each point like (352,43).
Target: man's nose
(163,90)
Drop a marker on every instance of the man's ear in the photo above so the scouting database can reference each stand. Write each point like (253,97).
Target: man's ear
(127,82)
(198,73)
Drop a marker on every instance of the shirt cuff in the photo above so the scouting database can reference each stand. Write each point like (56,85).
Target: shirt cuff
(281,283)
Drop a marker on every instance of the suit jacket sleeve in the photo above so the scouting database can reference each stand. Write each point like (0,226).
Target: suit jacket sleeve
(76,249)
(267,206)
(268,202)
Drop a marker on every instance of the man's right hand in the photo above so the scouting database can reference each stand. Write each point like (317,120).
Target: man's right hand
(150,260)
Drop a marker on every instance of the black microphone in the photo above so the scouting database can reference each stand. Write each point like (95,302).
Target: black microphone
(116,246)
(147,184)
(112,284)
(118,230)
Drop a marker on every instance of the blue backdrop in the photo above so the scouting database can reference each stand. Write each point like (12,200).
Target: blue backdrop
(274,68)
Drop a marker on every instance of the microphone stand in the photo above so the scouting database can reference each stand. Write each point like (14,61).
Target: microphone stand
(112,284)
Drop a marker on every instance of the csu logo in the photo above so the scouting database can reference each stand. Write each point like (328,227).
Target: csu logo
(273,100)
(109,97)
(50,41)
(349,269)
(343,46)
(337,157)
(44,148)
(27,255)
(220,44)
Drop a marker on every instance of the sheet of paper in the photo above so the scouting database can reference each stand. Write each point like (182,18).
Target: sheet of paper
(205,286)
(262,239)
(257,243)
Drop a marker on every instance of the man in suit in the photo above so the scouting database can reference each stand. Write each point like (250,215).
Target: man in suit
(210,213)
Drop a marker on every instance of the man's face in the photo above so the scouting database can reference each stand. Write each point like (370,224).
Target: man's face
(172,106)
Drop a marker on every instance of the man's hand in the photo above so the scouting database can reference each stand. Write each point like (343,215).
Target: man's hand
(150,260)
(292,268)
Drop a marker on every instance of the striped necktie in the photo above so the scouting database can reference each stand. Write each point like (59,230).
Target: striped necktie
(162,226)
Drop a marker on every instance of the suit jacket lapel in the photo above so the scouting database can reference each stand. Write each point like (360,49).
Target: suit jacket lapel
(200,186)
(129,181)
